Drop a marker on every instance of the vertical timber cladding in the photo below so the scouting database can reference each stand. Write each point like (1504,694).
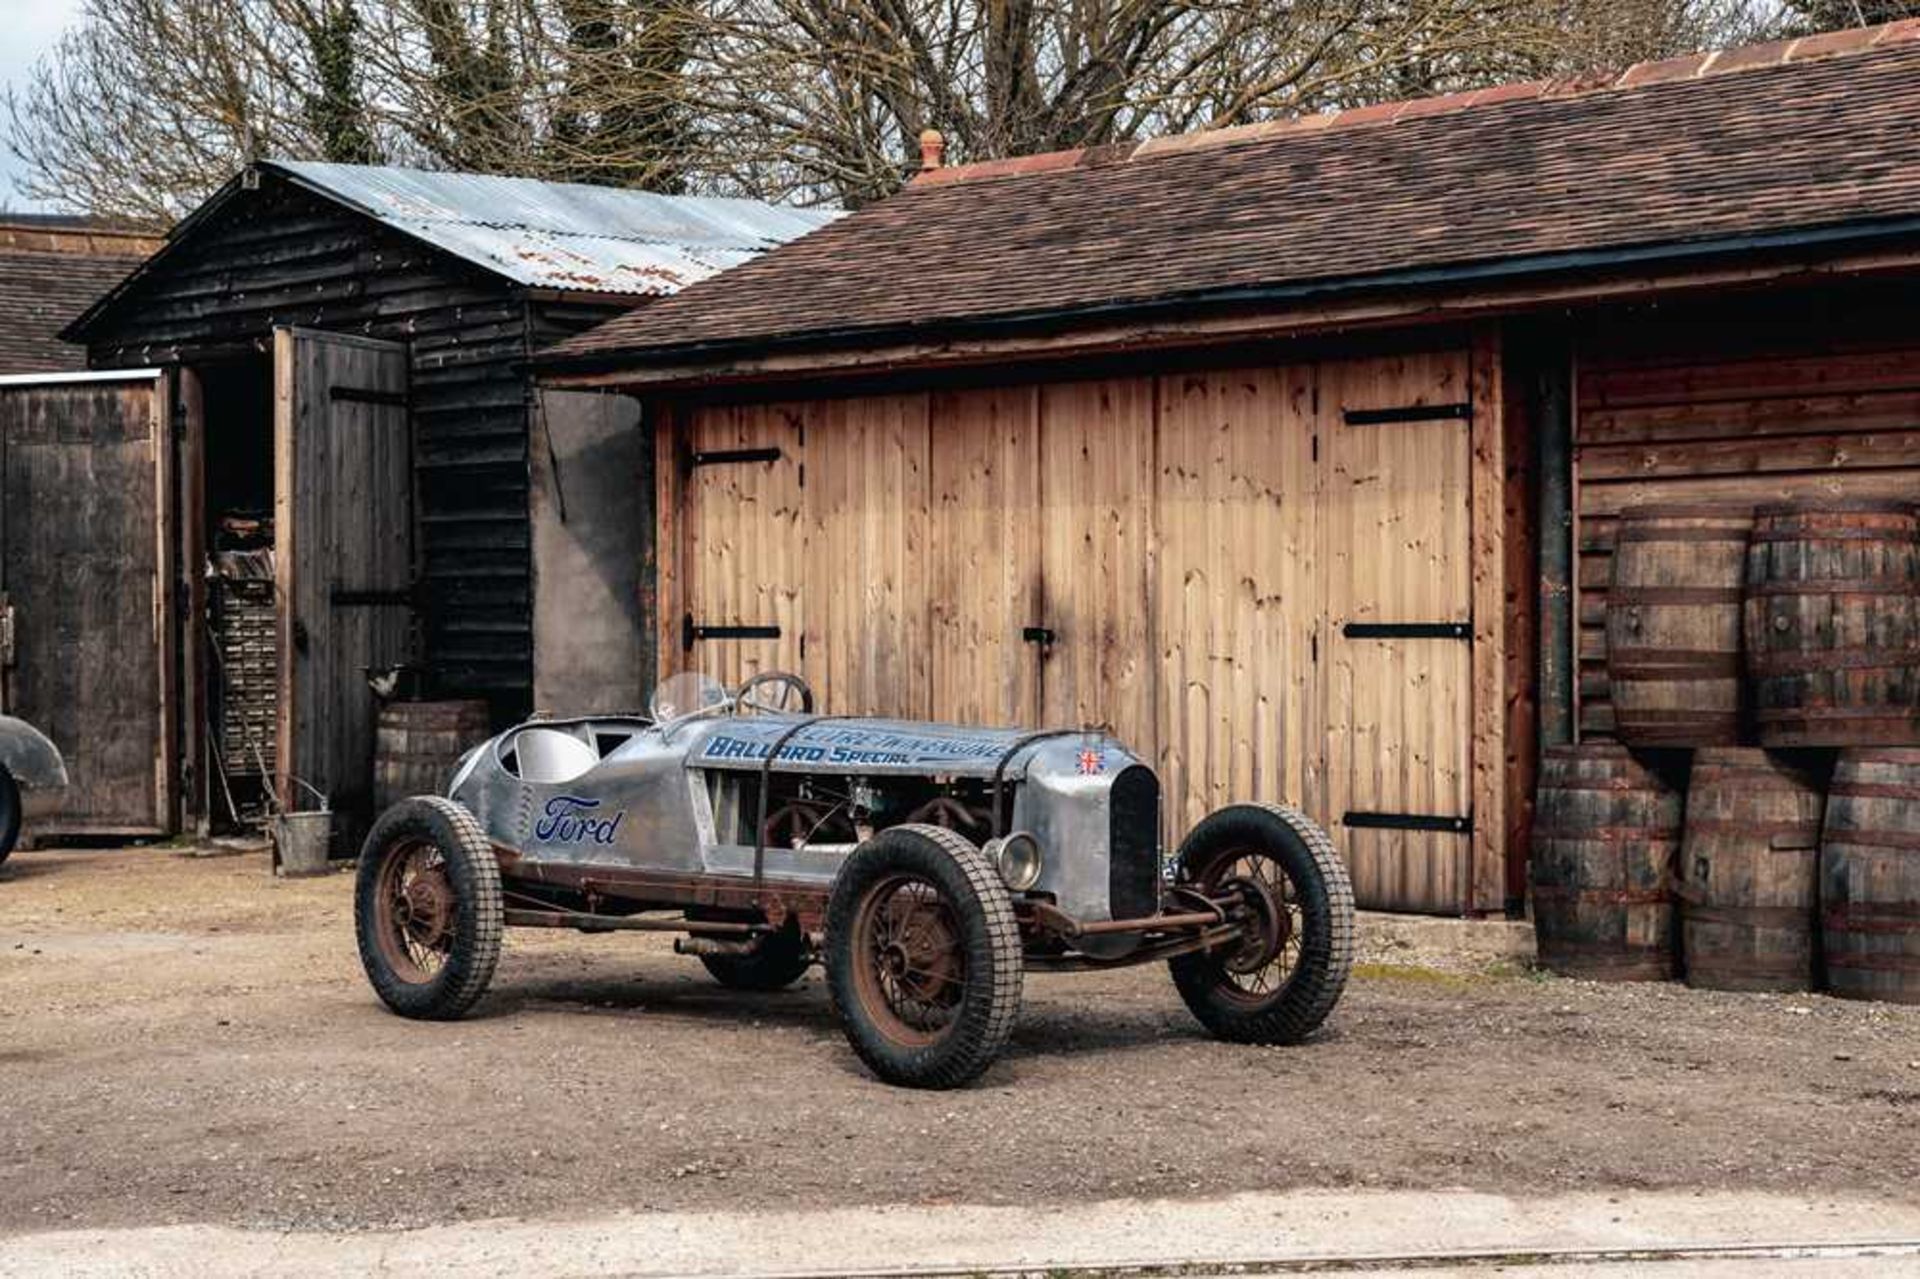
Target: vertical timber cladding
(1765,400)
(1268,599)
(343,561)
(1397,558)
(84,572)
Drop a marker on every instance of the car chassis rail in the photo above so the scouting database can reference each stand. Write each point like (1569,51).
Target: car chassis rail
(1167,934)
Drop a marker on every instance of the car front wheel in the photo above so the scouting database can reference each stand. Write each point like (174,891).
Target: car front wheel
(428,909)
(1278,982)
(923,957)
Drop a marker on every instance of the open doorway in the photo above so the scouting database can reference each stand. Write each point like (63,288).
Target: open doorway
(240,645)
(297,505)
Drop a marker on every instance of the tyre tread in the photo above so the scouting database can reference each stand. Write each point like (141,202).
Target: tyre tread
(471,967)
(1321,977)
(974,1046)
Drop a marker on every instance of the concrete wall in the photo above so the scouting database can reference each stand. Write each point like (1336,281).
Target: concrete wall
(592,507)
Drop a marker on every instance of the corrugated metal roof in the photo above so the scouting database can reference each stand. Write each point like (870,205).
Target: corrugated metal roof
(558,235)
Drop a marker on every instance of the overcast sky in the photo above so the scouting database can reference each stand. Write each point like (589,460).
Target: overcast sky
(28,29)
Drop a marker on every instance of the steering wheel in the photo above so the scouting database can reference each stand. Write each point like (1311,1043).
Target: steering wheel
(776,693)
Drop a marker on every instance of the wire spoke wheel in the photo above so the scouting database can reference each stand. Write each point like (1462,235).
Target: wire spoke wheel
(416,910)
(1269,957)
(1279,878)
(914,968)
(428,910)
(923,957)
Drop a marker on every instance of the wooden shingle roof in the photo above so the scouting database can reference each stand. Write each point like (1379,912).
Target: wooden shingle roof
(1808,137)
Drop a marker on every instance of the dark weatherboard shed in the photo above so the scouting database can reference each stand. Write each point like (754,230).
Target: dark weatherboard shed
(318,388)
(1295,452)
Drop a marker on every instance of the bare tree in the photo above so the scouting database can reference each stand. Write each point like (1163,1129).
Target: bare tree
(147,101)
(828,96)
(1828,15)
(149,104)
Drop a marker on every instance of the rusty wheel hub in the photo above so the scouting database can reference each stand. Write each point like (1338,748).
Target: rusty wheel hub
(920,958)
(1269,925)
(914,975)
(425,908)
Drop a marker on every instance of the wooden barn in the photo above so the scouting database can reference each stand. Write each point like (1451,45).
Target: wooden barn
(1293,452)
(309,451)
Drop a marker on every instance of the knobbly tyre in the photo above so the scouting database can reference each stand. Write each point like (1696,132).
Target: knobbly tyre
(927,866)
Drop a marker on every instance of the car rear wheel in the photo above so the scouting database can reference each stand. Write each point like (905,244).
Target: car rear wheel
(1279,982)
(923,957)
(428,909)
(9,813)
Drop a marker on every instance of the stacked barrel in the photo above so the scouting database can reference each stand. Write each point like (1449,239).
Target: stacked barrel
(1757,825)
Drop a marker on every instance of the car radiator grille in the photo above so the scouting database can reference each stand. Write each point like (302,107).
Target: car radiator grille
(1133,844)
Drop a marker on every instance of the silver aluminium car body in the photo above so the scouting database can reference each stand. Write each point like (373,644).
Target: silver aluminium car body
(625,792)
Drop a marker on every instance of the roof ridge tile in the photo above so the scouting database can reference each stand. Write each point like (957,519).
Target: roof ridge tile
(1577,84)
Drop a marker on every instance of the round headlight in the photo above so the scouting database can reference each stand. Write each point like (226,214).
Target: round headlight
(1018,859)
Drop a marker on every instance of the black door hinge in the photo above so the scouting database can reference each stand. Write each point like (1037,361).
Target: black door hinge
(1409,821)
(721,457)
(367,395)
(692,632)
(1409,630)
(1408,413)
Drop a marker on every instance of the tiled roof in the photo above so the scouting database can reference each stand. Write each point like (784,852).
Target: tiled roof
(1795,136)
(39,293)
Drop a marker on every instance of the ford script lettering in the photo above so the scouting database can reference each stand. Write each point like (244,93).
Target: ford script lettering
(569,819)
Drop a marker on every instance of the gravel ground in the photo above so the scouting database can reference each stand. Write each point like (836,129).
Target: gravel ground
(187,1040)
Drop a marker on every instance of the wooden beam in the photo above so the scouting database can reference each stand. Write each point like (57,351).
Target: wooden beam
(166,795)
(1488,880)
(1519,370)
(670,550)
(285,548)
(191,514)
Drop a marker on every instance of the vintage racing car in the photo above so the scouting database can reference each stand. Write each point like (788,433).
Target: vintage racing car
(927,866)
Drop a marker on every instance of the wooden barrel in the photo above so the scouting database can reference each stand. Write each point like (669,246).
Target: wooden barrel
(1750,872)
(1606,831)
(418,744)
(1870,876)
(1833,624)
(1673,625)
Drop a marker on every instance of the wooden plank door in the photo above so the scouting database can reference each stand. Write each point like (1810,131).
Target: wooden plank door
(84,480)
(1238,591)
(1397,643)
(732,553)
(343,555)
(983,541)
(1096,522)
(866,556)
